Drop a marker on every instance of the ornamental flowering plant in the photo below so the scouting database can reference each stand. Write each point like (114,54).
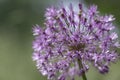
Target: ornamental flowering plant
(72,40)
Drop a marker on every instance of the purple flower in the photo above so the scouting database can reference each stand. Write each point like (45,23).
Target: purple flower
(71,40)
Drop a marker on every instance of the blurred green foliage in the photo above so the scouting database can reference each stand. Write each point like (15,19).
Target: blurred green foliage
(16,20)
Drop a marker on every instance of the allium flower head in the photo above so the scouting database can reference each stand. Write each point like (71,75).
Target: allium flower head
(73,40)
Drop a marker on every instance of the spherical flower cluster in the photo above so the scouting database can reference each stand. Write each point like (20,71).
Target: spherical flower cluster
(72,40)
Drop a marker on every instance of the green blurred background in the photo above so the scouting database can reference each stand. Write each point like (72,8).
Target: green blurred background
(16,20)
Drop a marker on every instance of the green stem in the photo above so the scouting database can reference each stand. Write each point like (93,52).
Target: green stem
(81,67)
(84,76)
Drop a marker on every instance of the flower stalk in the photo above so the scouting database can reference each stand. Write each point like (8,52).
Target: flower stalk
(81,67)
